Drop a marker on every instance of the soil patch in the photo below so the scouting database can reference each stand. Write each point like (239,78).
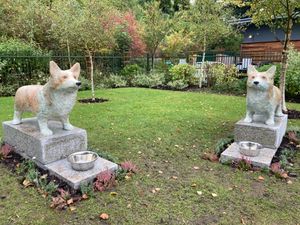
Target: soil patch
(92,100)
(293,114)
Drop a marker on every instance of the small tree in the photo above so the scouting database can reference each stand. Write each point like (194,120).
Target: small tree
(206,22)
(156,26)
(277,14)
(85,25)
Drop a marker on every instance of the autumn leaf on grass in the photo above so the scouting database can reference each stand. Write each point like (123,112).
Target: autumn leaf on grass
(275,167)
(27,183)
(85,196)
(104,216)
(211,157)
(261,178)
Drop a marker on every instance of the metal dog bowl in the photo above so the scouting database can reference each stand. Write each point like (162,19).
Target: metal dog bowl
(249,148)
(82,161)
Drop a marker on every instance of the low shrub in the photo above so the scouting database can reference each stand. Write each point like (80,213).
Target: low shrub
(113,81)
(225,78)
(152,80)
(85,84)
(130,71)
(177,84)
(183,73)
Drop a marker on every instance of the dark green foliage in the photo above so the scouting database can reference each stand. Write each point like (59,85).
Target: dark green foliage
(21,64)
(222,144)
(129,71)
(87,189)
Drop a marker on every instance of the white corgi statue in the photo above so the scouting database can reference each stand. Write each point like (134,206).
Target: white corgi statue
(263,98)
(54,100)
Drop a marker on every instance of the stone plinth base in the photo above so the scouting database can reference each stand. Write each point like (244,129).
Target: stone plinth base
(263,160)
(63,170)
(29,142)
(266,135)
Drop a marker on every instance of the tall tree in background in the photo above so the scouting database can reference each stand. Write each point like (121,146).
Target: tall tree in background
(85,25)
(26,20)
(156,26)
(206,22)
(277,14)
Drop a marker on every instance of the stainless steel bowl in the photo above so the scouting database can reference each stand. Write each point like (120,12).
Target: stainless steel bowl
(249,148)
(82,161)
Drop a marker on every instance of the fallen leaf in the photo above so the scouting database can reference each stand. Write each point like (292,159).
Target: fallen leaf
(153,191)
(289,182)
(196,168)
(160,171)
(85,196)
(174,177)
(275,167)
(72,208)
(261,178)
(27,183)
(199,193)
(157,189)
(194,185)
(70,201)
(104,216)
(113,193)
(214,194)
(284,175)
(230,189)
(177,146)
(129,206)
(127,177)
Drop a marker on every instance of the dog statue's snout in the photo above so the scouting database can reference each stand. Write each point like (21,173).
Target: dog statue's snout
(256,82)
(78,83)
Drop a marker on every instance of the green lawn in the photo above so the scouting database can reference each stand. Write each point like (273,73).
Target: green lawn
(160,131)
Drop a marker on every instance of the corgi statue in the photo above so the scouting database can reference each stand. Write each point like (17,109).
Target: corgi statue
(263,98)
(54,100)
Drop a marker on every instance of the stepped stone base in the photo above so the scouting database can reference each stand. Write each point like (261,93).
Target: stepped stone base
(63,170)
(29,142)
(263,160)
(268,136)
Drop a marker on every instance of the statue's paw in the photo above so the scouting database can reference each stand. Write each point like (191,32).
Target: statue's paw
(16,122)
(46,132)
(248,120)
(68,126)
(279,115)
(270,122)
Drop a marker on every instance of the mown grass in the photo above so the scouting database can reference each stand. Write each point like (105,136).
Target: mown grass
(161,131)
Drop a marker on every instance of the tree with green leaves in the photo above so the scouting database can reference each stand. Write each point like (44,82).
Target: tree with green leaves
(206,21)
(86,25)
(277,14)
(156,26)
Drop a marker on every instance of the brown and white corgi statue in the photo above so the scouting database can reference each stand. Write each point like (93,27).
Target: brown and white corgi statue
(53,101)
(263,98)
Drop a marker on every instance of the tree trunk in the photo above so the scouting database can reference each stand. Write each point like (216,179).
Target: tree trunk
(69,56)
(152,61)
(202,63)
(92,74)
(284,62)
(148,63)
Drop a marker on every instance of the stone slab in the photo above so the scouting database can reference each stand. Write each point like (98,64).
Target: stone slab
(30,143)
(63,170)
(266,135)
(263,160)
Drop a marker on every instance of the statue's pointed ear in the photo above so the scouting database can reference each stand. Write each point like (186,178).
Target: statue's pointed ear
(251,70)
(271,72)
(54,68)
(75,69)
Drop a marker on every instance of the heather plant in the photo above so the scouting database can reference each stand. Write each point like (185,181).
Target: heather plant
(104,180)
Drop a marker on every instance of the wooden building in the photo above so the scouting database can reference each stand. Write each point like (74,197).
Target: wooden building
(263,44)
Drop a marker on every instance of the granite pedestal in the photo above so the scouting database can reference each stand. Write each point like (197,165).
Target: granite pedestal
(263,160)
(30,143)
(63,170)
(269,136)
(50,152)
